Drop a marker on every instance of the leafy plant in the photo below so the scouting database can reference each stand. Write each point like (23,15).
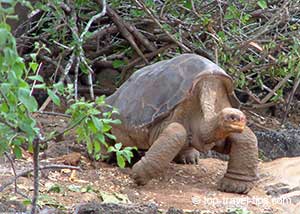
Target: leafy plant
(94,126)
(16,102)
(122,154)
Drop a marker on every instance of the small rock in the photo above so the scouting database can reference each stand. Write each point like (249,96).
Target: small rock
(90,197)
(12,207)
(111,208)
(195,200)
(173,210)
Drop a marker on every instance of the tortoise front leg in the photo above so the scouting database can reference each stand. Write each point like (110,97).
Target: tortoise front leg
(243,162)
(160,154)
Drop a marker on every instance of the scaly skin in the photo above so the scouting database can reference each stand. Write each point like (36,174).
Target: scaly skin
(241,172)
(160,154)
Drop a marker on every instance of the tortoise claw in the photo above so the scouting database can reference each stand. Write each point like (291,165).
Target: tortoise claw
(190,156)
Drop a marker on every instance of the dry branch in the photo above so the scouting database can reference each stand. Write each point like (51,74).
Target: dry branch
(123,30)
(148,11)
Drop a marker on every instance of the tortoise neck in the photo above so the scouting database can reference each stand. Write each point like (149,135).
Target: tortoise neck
(212,131)
(209,132)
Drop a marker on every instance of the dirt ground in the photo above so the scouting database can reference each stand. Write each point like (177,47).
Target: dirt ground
(187,187)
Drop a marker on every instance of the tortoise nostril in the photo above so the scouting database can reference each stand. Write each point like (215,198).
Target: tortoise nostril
(236,118)
(233,117)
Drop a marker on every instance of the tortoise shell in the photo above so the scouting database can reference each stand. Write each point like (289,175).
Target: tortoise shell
(155,90)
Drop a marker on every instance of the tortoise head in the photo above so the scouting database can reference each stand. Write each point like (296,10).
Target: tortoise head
(232,120)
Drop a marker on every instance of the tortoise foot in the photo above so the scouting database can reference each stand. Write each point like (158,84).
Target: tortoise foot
(139,174)
(190,156)
(235,186)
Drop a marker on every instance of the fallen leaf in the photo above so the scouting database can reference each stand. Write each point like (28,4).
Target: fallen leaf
(114,197)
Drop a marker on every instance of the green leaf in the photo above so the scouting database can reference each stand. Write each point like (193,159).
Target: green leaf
(118,146)
(92,126)
(27,100)
(4,108)
(262,4)
(127,154)
(40,86)
(74,188)
(90,147)
(111,136)
(4,35)
(53,97)
(137,13)
(59,86)
(97,122)
(150,3)
(34,66)
(188,4)
(17,151)
(37,78)
(106,127)
(120,160)
(54,188)
(118,63)
(100,100)
(33,56)
(97,147)
(111,149)
(116,122)
(26,202)
(101,137)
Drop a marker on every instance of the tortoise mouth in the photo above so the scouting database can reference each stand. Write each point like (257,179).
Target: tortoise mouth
(237,126)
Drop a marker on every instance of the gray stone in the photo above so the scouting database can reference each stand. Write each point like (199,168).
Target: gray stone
(111,208)
(277,144)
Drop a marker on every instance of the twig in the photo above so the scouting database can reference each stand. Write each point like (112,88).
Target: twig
(13,168)
(62,78)
(264,86)
(51,166)
(123,30)
(253,96)
(87,27)
(34,82)
(291,96)
(90,79)
(278,86)
(99,34)
(142,5)
(15,174)
(98,91)
(139,36)
(138,60)
(76,78)
(258,106)
(36,150)
(53,113)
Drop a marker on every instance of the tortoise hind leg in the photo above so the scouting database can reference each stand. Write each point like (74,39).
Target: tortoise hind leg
(243,162)
(160,154)
(188,155)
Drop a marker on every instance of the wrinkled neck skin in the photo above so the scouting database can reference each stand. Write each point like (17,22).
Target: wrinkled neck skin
(206,128)
(207,133)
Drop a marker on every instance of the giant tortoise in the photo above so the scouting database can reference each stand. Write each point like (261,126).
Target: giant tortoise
(178,107)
